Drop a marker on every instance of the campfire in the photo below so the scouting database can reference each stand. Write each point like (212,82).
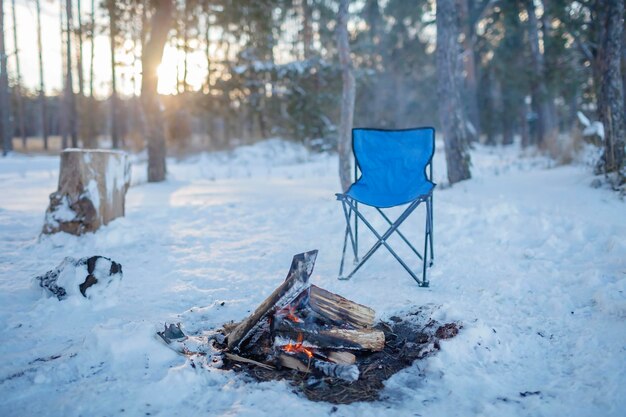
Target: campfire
(306,328)
(304,331)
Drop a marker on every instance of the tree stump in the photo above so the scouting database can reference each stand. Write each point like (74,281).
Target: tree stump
(92,189)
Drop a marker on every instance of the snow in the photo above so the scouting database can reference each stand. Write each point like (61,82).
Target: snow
(529,258)
(62,213)
(583,119)
(595,128)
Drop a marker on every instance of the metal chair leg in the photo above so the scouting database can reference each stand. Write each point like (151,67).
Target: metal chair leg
(356,234)
(424,282)
(382,241)
(432,227)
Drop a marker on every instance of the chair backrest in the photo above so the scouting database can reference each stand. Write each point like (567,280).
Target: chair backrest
(394,161)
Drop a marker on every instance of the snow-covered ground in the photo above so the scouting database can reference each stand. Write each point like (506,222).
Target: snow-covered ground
(529,257)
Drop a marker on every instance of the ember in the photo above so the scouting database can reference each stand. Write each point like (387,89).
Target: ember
(289,313)
(298,347)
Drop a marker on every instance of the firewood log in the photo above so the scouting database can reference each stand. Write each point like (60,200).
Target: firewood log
(331,338)
(302,363)
(338,309)
(345,358)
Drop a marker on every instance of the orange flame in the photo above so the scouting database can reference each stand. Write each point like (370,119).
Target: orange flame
(291,314)
(298,347)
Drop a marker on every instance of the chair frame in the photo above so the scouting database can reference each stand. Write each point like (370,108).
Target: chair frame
(351,206)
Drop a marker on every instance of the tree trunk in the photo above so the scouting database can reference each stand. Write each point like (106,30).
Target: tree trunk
(113,33)
(548,50)
(18,85)
(69,82)
(91,141)
(5,103)
(207,51)
(307,29)
(451,115)
(42,89)
(79,57)
(347,97)
(185,45)
(81,75)
(624,68)
(63,117)
(153,118)
(469,63)
(540,95)
(611,97)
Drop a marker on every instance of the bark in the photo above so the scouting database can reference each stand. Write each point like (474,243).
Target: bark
(79,58)
(546,23)
(185,45)
(113,34)
(207,51)
(5,103)
(347,97)
(69,81)
(523,123)
(63,117)
(91,141)
(42,89)
(451,115)
(624,68)
(152,55)
(18,86)
(611,97)
(80,72)
(307,29)
(540,95)
(469,64)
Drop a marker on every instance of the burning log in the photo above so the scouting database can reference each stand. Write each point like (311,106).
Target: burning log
(331,338)
(296,281)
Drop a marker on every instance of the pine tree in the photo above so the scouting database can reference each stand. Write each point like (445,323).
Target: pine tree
(451,115)
(18,80)
(42,88)
(70,99)
(113,32)
(6,129)
(611,94)
(347,97)
(151,57)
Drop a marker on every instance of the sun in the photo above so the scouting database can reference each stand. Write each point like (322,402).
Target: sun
(171,70)
(167,71)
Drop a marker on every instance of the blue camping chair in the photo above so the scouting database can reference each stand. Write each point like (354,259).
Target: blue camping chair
(393,166)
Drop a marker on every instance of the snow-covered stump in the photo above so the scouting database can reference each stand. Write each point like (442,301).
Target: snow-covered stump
(91,192)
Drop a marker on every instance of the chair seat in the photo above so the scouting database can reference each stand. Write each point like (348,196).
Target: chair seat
(368,195)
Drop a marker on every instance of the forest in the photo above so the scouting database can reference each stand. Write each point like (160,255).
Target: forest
(245,70)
